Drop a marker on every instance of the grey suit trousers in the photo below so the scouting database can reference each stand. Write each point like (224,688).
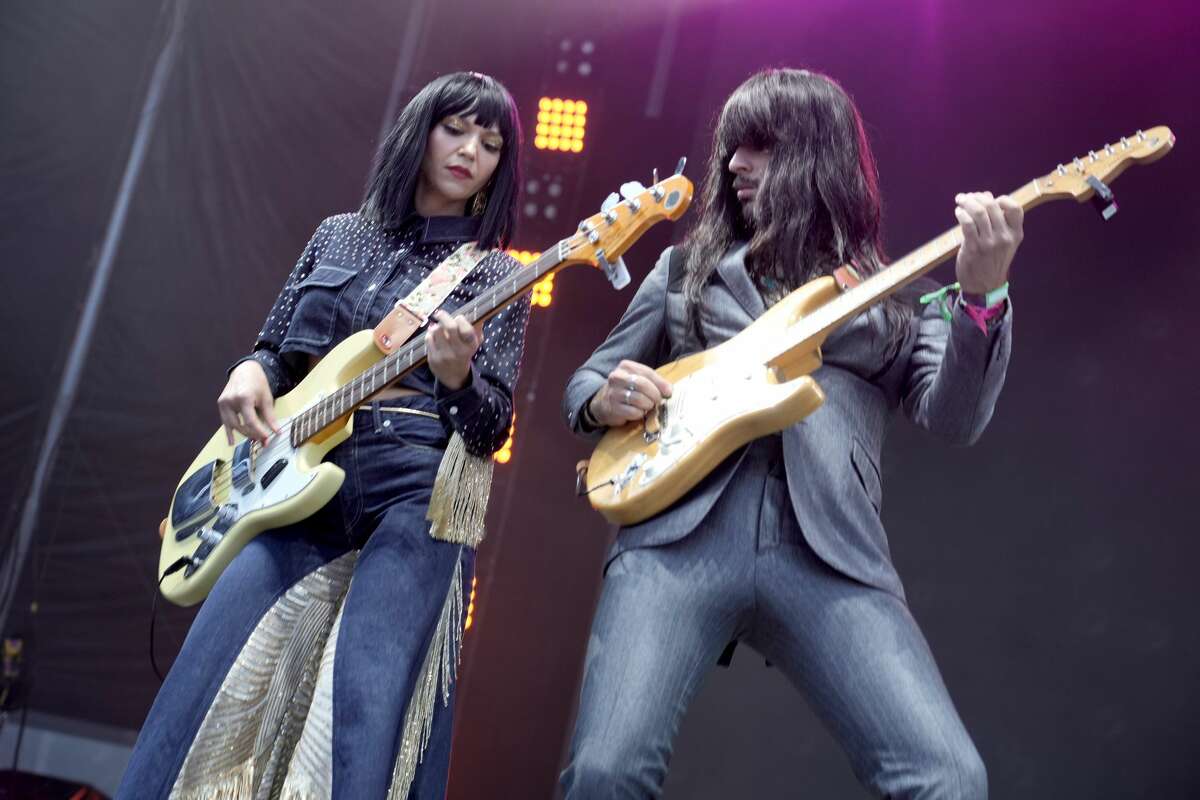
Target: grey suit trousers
(746,573)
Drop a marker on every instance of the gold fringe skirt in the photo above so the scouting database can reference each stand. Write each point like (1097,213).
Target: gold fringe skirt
(268,734)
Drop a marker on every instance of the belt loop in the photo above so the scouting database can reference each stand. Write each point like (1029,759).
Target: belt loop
(377,415)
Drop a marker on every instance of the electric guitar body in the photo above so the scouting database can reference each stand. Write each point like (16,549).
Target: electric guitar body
(721,399)
(231,493)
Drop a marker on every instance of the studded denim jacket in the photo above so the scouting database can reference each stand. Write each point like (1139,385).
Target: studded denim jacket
(352,273)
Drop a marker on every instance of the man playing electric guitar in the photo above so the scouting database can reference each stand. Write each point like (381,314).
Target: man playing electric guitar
(781,546)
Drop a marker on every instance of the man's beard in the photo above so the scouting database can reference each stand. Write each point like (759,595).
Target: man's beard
(746,217)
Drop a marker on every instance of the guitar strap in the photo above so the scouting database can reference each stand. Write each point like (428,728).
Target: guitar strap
(847,277)
(676,269)
(415,310)
(676,272)
(464,481)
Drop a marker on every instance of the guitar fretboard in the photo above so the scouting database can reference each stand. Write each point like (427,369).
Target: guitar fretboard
(412,354)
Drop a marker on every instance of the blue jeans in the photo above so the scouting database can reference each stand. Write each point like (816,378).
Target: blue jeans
(746,573)
(399,586)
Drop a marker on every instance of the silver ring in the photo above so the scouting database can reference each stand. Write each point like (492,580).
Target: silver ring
(628,396)
(632,386)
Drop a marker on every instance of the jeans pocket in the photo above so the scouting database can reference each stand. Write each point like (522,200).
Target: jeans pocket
(410,427)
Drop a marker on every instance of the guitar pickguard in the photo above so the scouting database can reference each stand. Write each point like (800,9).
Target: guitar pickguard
(259,482)
(699,404)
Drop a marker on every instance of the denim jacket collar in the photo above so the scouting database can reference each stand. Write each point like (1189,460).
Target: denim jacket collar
(442,229)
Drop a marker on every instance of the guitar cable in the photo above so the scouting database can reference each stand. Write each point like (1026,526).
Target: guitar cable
(581,489)
(177,565)
(586,492)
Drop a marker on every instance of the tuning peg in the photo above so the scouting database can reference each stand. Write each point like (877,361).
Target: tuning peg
(656,191)
(632,189)
(610,202)
(654,175)
(679,167)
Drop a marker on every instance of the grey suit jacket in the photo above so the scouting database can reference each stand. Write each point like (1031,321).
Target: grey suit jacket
(946,378)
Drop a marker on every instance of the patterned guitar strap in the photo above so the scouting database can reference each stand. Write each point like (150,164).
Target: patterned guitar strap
(464,481)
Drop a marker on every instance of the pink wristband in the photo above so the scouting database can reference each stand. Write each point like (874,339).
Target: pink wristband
(981,315)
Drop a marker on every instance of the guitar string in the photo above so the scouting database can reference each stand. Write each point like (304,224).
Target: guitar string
(476,309)
(527,275)
(413,351)
(533,272)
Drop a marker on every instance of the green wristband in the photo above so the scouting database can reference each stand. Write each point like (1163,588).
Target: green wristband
(988,299)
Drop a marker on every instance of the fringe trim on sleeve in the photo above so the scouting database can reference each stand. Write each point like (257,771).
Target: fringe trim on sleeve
(440,667)
(460,495)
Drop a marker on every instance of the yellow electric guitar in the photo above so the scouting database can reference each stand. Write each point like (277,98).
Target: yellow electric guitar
(231,493)
(759,381)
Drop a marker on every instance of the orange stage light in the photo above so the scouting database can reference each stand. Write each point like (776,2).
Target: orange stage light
(504,454)
(471,605)
(561,124)
(543,291)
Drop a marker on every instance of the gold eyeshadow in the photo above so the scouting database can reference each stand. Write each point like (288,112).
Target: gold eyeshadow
(492,140)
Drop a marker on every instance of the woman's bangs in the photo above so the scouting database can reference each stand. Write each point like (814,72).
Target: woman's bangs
(484,98)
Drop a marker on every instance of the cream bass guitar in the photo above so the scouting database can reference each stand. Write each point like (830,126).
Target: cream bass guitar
(760,381)
(231,493)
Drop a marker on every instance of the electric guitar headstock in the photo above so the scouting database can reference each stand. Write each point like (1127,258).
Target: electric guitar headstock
(603,238)
(1087,177)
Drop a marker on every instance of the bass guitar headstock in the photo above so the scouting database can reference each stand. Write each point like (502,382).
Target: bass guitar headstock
(603,238)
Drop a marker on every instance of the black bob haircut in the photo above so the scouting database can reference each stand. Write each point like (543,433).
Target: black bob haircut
(393,183)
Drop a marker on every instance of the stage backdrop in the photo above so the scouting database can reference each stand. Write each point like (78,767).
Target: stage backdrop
(1051,565)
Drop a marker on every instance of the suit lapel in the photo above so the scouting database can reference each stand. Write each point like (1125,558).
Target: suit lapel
(732,269)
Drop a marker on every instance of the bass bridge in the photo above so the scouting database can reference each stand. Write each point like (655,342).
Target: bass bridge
(210,536)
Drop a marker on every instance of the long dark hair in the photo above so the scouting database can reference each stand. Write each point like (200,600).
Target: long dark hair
(816,208)
(389,197)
